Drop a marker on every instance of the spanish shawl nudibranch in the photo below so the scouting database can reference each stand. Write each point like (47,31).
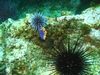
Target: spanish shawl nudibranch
(38,22)
(43,33)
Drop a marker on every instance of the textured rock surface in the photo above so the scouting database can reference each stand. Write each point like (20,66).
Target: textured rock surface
(25,53)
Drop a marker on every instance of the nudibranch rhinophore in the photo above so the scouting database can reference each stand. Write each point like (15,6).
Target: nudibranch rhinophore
(42,33)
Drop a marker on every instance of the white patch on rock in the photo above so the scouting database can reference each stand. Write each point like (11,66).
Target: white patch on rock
(95,34)
(1,53)
(7,70)
(19,50)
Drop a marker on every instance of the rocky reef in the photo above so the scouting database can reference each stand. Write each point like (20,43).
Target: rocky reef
(24,53)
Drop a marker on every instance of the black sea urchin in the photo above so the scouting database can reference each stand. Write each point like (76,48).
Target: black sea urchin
(70,61)
(38,21)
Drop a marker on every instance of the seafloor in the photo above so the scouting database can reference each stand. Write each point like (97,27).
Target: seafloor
(22,52)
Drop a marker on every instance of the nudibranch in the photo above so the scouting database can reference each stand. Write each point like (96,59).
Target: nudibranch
(43,33)
(38,22)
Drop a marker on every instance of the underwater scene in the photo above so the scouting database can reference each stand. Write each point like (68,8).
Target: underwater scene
(49,37)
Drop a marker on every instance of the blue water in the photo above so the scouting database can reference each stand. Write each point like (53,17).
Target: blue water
(16,9)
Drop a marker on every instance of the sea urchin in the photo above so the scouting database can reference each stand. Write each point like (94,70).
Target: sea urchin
(38,21)
(70,61)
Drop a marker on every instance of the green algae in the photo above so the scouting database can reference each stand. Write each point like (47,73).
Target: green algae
(2,68)
(86,29)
